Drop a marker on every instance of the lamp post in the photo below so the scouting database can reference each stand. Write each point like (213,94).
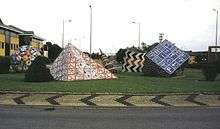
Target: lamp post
(216,27)
(64,21)
(139,33)
(90,46)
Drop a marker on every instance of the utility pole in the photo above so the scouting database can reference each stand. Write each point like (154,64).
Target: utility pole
(216,27)
(139,33)
(90,48)
(64,31)
(216,33)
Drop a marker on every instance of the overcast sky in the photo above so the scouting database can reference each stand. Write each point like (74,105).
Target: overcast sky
(190,24)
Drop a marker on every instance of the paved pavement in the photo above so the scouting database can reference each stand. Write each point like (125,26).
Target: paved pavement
(129,118)
(109,100)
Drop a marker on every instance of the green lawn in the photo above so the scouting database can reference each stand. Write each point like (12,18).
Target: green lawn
(126,83)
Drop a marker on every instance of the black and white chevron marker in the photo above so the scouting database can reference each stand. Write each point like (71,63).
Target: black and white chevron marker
(108,100)
(133,62)
(87,101)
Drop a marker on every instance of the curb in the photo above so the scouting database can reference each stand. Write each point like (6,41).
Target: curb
(107,93)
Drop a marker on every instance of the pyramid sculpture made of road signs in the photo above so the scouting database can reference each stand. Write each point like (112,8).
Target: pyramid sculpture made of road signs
(72,64)
(23,57)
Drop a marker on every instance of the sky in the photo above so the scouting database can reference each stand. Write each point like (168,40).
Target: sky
(190,24)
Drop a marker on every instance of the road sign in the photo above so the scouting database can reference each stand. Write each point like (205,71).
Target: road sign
(168,56)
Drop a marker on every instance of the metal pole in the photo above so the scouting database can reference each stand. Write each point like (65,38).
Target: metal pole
(216,40)
(139,35)
(90,50)
(63,36)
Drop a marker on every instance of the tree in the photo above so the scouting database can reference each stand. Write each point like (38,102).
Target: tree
(5,64)
(210,72)
(95,56)
(49,44)
(120,55)
(147,48)
(53,51)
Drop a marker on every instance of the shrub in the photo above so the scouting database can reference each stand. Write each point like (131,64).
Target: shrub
(38,72)
(210,72)
(5,64)
(120,55)
(53,51)
(217,66)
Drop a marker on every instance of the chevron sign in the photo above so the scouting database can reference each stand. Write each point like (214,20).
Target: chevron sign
(133,62)
(167,56)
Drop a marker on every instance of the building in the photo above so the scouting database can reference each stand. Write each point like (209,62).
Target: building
(12,37)
(9,39)
(29,38)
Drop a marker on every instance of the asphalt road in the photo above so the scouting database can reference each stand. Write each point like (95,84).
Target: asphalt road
(145,118)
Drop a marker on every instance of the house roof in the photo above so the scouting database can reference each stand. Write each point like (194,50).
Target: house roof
(28,33)
(1,21)
(9,28)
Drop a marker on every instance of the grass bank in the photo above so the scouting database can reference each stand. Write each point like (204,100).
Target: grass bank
(126,83)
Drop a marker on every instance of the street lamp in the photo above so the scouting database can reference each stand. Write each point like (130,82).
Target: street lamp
(64,21)
(216,31)
(90,46)
(139,33)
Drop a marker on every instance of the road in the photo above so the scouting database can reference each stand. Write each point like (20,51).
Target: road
(127,118)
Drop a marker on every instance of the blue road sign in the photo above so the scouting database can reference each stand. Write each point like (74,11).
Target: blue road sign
(167,56)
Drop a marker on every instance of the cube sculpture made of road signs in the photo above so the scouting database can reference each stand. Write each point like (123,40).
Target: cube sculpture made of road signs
(72,64)
(24,56)
(167,56)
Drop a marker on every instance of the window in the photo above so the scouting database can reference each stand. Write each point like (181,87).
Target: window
(11,46)
(14,47)
(7,33)
(7,37)
(3,45)
(13,34)
(2,31)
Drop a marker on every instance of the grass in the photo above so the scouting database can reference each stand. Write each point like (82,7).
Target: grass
(126,83)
